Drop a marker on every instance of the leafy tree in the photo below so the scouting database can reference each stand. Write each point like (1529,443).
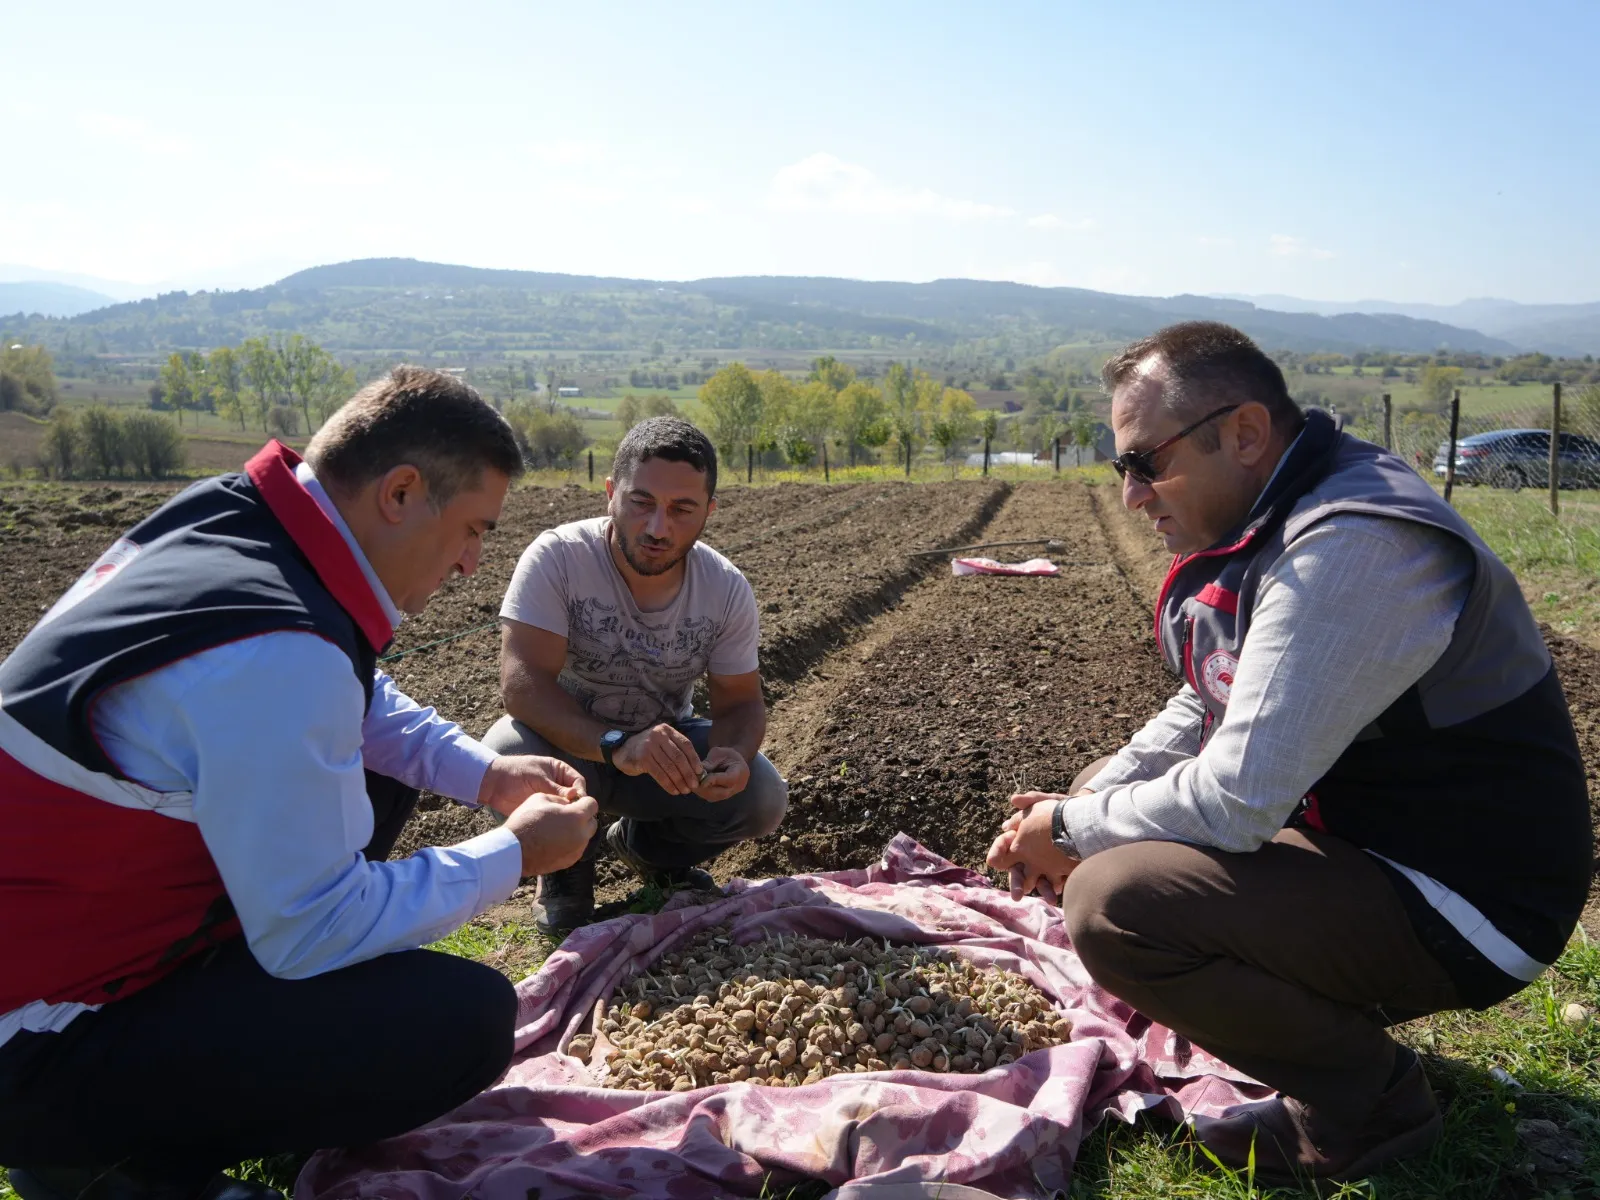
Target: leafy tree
(778,398)
(262,371)
(730,402)
(200,382)
(954,422)
(629,412)
(547,439)
(225,371)
(27,378)
(830,371)
(177,385)
(1438,385)
(103,444)
(861,418)
(989,424)
(63,442)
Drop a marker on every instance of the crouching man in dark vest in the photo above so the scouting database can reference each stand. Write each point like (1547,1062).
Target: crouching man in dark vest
(1366,801)
(203,955)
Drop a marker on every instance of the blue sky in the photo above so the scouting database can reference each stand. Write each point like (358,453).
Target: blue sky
(1405,150)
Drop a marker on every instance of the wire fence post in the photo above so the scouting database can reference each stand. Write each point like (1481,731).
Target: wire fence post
(1056,454)
(1450,462)
(749,463)
(1555,452)
(1388,423)
(826,478)
(591,466)
(908,455)
(986,457)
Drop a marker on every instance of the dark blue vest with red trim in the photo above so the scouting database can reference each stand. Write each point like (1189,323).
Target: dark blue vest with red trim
(1473,776)
(100,892)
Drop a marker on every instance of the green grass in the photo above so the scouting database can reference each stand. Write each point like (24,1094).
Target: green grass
(1479,1157)
(1556,558)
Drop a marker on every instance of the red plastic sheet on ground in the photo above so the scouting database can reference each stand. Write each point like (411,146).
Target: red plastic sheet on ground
(988,566)
(548,1130)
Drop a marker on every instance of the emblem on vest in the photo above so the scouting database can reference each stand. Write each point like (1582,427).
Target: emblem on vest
(122,552)
(1217,672)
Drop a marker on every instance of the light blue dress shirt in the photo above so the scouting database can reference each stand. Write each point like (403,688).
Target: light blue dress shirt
(268,738)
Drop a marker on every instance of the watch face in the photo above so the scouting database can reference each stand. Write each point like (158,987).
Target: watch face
(613,738)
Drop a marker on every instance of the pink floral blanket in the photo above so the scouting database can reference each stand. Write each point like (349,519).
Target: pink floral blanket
(546,1131)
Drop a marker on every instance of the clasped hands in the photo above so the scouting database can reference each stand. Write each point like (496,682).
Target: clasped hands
(669,757)
(544,804)
(1026,851)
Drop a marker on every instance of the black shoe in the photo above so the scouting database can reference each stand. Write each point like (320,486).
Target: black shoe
(566,900)
(87,1183)
(668,879)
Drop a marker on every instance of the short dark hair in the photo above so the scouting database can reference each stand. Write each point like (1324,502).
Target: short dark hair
(420,416)
(671,438)
(1206,364)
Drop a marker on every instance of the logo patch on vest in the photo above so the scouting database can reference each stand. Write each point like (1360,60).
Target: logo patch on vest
(122,553)
(1217,672)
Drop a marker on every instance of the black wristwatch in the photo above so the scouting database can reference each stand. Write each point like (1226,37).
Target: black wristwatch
(1059,834)
(610,742)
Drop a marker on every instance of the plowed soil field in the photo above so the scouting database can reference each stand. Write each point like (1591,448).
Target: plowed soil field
(903,698)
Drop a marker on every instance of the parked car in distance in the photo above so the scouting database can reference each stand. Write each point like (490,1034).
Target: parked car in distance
(1517,458)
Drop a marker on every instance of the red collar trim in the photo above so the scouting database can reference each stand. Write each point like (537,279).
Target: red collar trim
(297,510)
(1180,561)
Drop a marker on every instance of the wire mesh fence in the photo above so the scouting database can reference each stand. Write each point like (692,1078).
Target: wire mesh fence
(1554,441)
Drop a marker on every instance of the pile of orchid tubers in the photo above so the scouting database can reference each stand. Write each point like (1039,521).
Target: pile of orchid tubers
(794,1010)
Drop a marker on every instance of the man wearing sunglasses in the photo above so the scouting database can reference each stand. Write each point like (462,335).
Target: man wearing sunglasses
(1364,804)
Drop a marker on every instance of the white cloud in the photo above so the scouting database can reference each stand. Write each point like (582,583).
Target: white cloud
(134,133)
(565,152)
(823,183)
(1051,221)
(323,174)
(1284,246)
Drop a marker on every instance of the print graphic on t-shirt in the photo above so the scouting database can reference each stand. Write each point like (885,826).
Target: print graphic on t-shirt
(660,661)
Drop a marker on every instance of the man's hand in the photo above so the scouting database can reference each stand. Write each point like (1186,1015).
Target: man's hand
(665,755)
(553,833)
(512,778)
(1025,850)
(726,774)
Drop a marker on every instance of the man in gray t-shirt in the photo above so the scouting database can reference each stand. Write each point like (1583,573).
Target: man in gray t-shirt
(607,625)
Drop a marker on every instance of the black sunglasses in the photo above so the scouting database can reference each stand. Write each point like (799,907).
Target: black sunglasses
(1141,463)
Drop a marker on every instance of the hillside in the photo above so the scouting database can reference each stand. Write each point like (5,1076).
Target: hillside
(1572,330)
(50,299)
(390,305)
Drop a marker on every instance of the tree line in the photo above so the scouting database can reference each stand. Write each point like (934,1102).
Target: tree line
(274,382)
(101,443)
(774,414)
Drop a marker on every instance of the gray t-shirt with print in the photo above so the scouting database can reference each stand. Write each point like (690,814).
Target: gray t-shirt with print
(628,668)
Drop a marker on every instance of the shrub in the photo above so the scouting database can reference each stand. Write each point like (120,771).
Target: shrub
(103,443)
(153,444)
(283,421)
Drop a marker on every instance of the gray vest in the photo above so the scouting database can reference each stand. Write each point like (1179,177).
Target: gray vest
(1473,776)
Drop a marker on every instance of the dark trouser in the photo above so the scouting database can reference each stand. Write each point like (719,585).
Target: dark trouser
(662,829)
(219,1061)
(1286,963)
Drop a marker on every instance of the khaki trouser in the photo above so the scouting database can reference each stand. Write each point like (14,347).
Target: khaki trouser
(1287,963)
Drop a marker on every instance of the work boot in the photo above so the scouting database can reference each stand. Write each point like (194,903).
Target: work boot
(566,899)
(89,1183)
(1292,1140)
(668,879)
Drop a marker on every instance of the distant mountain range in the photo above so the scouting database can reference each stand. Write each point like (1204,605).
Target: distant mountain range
(51,299)
(398,304)
(1562,329)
